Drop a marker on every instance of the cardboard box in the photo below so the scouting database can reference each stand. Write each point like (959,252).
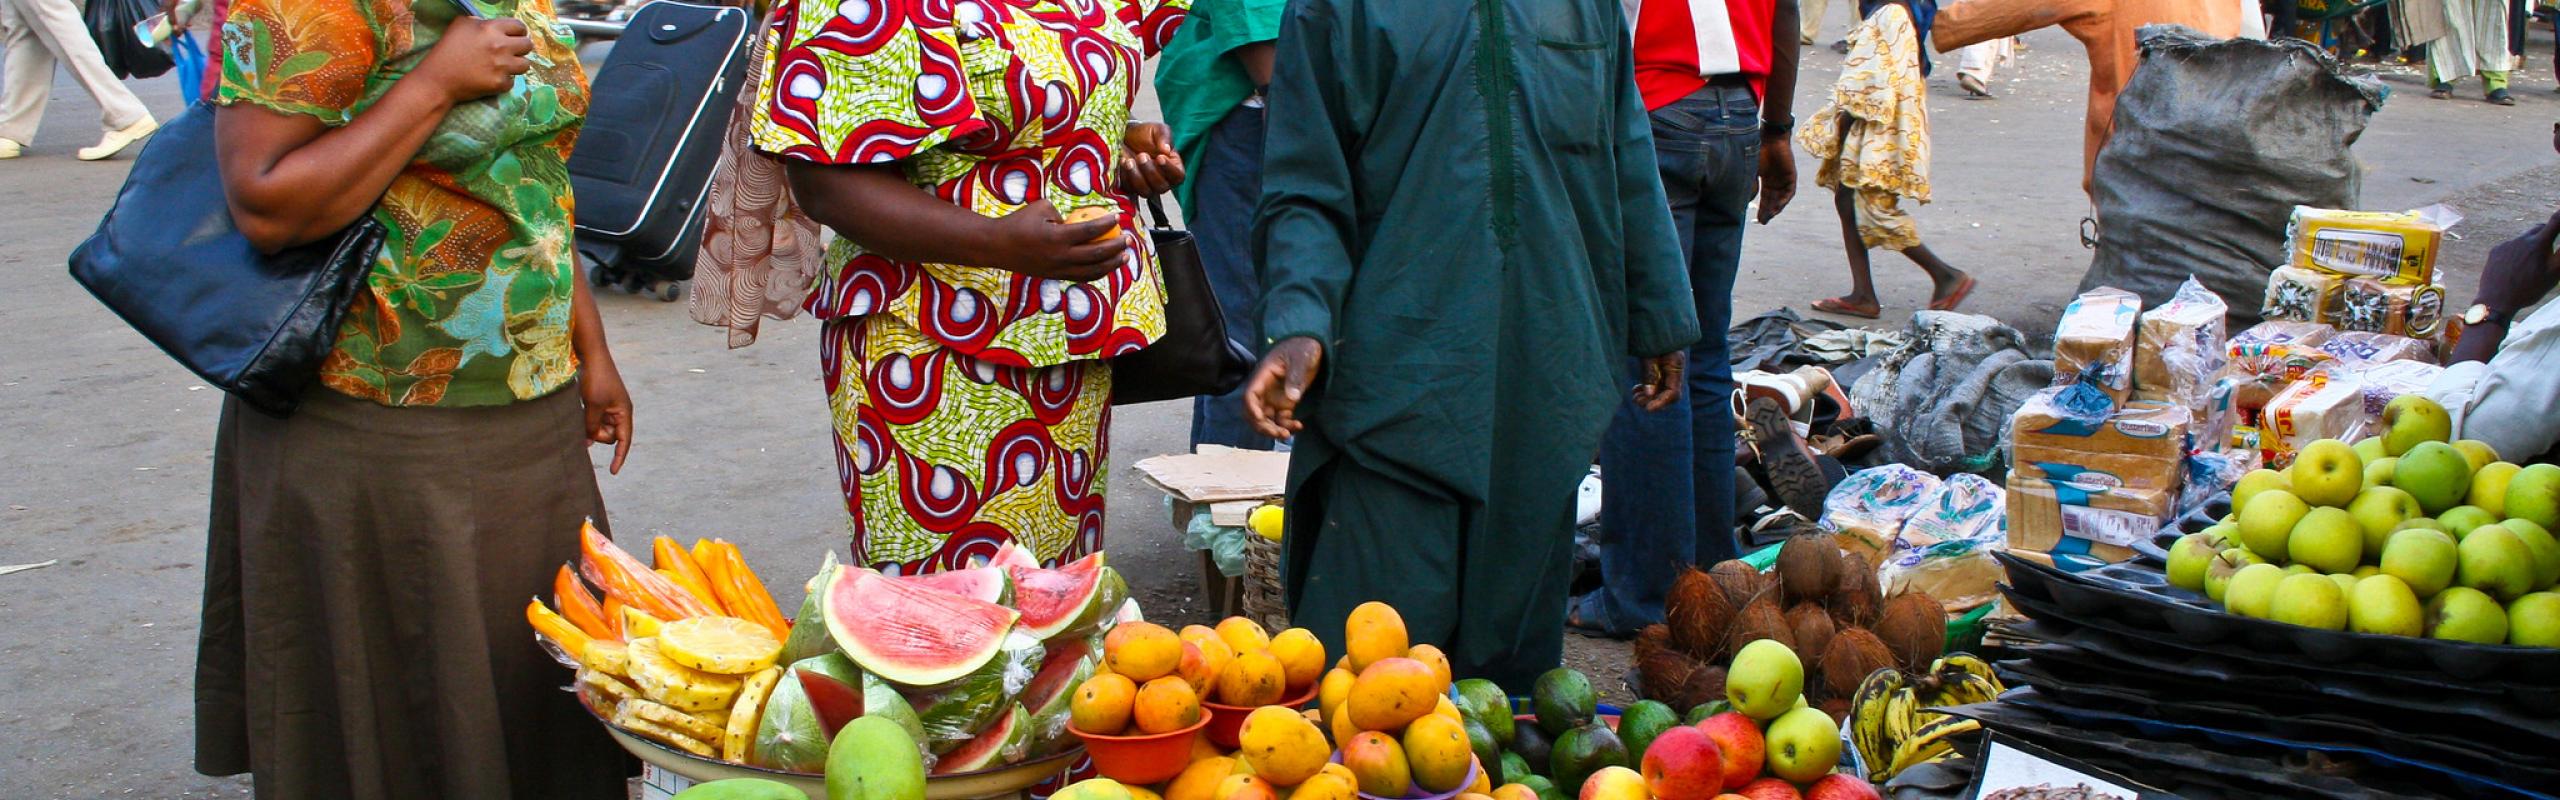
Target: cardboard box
(2040,522)
(2393,247)
(2093,343)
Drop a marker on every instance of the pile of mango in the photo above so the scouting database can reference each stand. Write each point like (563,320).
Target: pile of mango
(1155,680)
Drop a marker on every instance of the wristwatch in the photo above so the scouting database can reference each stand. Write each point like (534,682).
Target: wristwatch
(1777,126)
(2481,314)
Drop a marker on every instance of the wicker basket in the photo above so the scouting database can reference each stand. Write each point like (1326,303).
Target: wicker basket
(1260,595)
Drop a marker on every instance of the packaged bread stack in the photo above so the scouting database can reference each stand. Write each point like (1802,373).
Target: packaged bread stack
(2096,462)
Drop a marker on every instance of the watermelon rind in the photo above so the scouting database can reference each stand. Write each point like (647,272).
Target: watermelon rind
(1002,742)
(789,736)
(911,635)
(809,637)
(1011,555)
(879,699)
(983,584)
(1049,695)
(836,668)
(954,712)
(1054,602)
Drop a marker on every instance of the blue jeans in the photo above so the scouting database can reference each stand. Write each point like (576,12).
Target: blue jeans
(1226,185)
(1667,476)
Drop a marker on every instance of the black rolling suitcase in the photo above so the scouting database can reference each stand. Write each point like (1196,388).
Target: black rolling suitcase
(652,140)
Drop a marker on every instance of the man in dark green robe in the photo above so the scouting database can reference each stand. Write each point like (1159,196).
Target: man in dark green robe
(1462,237)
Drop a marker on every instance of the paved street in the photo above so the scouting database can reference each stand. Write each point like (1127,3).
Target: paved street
(105,443)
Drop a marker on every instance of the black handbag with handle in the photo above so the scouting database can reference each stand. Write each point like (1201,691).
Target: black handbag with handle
(111,25)
(1194,357)
(169,259)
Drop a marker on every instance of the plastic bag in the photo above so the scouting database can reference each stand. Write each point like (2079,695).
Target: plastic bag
(809,636)
(953,713)
(111,24)
(1868,508)
(2215,142)
(2178,348)
(1048,727)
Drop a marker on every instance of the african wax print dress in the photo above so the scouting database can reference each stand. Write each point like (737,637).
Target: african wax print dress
(1881,100)
(970,403)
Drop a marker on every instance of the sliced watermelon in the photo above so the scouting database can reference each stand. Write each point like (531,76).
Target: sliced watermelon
(1049,693)
(1053,601)
(1002,742)
(1010,555)
(983,584)
(789,736)
(834,687)
(910,634)
(809,637)
(880,699)
(953,713)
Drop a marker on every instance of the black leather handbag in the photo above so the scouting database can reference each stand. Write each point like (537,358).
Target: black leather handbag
(169,260)
(1194,357)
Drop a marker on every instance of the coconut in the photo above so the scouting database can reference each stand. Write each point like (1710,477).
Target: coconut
(1739,581)
(1807,565)
(1705,686)
(1914,627)
(1698,614)
(1759,620)
(1855,653)
(1856,596)
(1654,638)
(1809,626)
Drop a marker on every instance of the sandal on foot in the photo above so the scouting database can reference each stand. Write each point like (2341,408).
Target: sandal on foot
(1964,288)
(1842,307)
(1585,617)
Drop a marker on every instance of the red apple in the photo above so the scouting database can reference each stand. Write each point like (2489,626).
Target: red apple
(1737,737)
(1771,789)
(1683,762)
(1731,797)
(1841,787)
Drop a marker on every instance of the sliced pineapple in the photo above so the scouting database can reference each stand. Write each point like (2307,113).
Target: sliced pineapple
(610,690)
(637,624)
(683,722)
(661,734)
(608,657)
(740,734)
(674,684)
(722,645)
(716,718)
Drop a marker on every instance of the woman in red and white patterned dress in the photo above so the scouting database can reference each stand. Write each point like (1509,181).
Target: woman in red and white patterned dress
(968,321)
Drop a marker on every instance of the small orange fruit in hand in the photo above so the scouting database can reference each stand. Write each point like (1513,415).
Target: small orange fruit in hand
(1102,704)
(1143,651)
(1166,705)
(1090,213)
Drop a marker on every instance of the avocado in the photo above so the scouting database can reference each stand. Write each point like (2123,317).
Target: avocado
(1488,752)
(1515,769)
(1546,789)
(1642,722)
(1582,751)
(1483,701)
(1701,713)
(1532,744)
(1564,701)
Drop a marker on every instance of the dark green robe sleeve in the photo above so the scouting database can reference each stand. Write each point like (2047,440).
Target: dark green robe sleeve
(1662,314)
(1309,217)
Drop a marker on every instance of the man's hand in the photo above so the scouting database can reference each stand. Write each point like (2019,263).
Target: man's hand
(1149,167)
(1664,375)
(1271,396)
(1777,175)
(2520,270)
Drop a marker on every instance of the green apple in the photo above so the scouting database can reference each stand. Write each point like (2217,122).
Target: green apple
(2370,448)
(2346,582)
(2327,539)
(2463,614)
(2326,473)
(1803,745)
(2377,471)
(2300,569)
(2217,575)
(2423,523)
(2368,570)
(2435,473)
(2268,519)
(2253,590)
(2257,481)
(2489,487)
(1766,679)
(2495,560)
(2534,494)
(2311,601)
(2188,559)
(2380,510)
(2460,520)
(2546,550)
(2410,420)
(2534,620)
(2382,604)
(2480,453)
(2424,560)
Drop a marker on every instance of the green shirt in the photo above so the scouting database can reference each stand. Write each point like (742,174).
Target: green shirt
(1198,83)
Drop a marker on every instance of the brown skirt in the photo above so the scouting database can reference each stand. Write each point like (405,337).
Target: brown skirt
(366,571)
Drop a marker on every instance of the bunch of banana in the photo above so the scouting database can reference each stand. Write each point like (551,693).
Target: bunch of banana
(1891,731)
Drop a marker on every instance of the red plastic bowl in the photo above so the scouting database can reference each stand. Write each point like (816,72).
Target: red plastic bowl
(1147,758)
(1474,768)
(1226,723)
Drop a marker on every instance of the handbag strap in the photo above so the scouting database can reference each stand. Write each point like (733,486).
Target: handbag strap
(1155,209)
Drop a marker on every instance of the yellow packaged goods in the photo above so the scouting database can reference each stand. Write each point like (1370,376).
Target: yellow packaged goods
(2178,347)
(2372,306)
(2040,521)
(2094,341)
(2395,248)
(2295,294)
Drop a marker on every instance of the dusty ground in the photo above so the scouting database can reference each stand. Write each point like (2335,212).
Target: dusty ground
(106,443)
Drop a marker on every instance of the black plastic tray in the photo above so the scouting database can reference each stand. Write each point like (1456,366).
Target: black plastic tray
(2248,771)
(2414,771)
(2141,594)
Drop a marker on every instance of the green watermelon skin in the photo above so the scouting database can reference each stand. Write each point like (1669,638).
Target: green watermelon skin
(879,699)
(809,637)
(953,713)
(1003,742)
(789,736)
(1048,696)
(1063,601)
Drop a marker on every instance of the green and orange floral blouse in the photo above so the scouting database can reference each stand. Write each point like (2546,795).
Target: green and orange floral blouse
(470,299)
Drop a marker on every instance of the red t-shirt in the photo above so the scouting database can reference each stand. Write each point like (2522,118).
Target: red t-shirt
(1680,43)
